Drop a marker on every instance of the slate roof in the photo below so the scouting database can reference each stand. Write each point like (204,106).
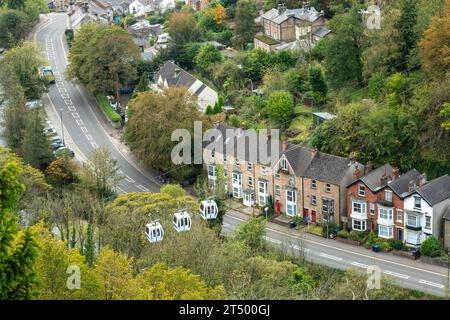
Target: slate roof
(322,32)
(167,73)
(401,185)
(299,158)
(241,135)
(273,15)
(436,190)
(327,167)
(373,179)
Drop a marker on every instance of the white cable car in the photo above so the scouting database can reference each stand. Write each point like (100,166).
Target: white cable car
(208,209)
(182,221)
(154,232)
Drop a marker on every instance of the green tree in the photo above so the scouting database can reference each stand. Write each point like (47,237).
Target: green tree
(15,26)
(406,26)
(17,248)
(343,50)
(207,56)
(15,116)
(101,173)
(252,234)
(245,23)
(143,83)
(161,282)
(281,107)
(89,249)
(183,28)
(152,119)
(445,113)
(103,58)
(35,145)
(20,66)
(317,83)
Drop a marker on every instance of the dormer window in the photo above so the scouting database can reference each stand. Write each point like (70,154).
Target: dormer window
(361,191)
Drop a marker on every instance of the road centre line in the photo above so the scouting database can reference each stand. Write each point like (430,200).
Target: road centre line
(141,187)
(433,284)
(395,274)
(329,256)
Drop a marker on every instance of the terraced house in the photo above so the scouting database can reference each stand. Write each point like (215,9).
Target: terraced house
(312,184)
(302,181)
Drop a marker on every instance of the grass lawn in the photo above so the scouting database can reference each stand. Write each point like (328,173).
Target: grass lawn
(109,111)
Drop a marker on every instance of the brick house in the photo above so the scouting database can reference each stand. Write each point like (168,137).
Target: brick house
(246,178)
(280,27)
(288,182)
(375,201)
(312,184)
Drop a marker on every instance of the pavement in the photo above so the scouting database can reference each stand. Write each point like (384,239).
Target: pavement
(84,126)
(405,272)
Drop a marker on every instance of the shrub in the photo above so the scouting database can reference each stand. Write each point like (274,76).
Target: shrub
(357,235)
(396,244)
(343,234)
(331,228)
(69,36)
(431,247)
(109,111)
(384,245)
(372,238)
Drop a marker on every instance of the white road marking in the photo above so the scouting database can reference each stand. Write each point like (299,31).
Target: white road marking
(75,115)
(272,240)
(395,274)
(68,102)
(433,284)
(65,96)
(361,265)
(80,123)
(129,179)
(141,187)
(297,247)
(72,109)
(351,252)
(89,137)
(224,224)
(62,89)
(59,84)
(94,144)
(328,256)
(84,129)
(120,190)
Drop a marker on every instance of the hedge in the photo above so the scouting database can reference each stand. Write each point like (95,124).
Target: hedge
(109,111)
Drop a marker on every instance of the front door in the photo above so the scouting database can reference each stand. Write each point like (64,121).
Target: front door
(400,234)
(278,206)
(313,216)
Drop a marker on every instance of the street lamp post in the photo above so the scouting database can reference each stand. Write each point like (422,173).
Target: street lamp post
(62,124)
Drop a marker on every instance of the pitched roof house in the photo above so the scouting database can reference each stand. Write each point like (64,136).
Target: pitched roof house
(292,29)
(172,75)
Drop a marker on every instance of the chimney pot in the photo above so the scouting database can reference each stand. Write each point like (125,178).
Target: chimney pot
(356,173)
(313,152)
(369,167)
(395,173)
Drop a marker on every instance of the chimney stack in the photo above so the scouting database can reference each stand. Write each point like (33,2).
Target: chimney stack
(176,72)
(384,178)
(356,173)
(395,173)
(284,145)
(313,152)
(369,167)
(422,179)
(411,185)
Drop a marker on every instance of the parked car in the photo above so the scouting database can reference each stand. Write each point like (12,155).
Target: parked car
(56,143)
(33,104)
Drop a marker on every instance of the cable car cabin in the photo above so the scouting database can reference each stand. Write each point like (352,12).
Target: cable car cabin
(154,232)
(208,209)
(182,221)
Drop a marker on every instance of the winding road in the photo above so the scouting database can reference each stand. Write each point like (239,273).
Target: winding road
(85,127)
